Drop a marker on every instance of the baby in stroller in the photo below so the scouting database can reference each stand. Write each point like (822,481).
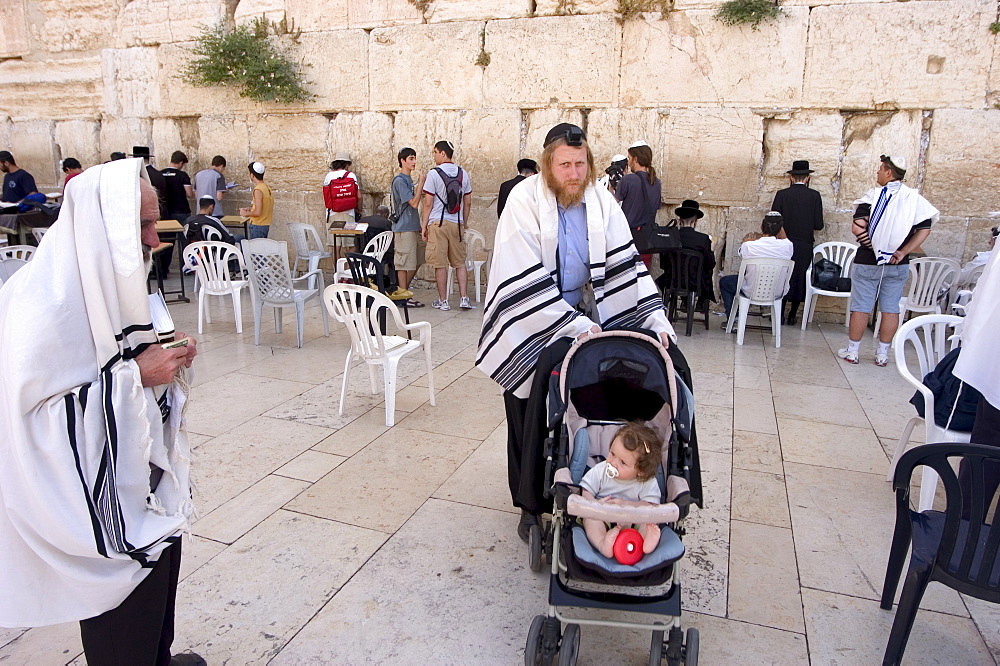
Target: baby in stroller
(627,477)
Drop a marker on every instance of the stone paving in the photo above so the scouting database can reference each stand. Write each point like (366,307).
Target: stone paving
(332,539)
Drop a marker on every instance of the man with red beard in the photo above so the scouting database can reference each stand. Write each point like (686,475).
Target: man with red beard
(564,265)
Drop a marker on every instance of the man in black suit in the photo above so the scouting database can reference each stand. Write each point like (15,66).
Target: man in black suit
(688,215)
(525,168)
(802,210)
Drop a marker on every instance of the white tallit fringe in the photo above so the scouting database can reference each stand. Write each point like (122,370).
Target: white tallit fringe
(525,311)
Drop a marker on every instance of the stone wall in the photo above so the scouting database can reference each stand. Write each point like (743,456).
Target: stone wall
(726,109)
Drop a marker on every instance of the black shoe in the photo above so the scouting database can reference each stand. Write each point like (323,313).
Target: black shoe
(527,520)
(790,320)
(187,659)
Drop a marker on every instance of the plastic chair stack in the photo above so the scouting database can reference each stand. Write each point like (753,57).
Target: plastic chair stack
(308,246)
(375,248)
(472,239)
(928,336)
(932,279)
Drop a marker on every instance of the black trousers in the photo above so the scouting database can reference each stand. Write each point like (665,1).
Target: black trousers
(140,630)
(985,430)
(515,408)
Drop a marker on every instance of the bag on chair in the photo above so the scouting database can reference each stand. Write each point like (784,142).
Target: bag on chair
(955,402)
(826,276)
(652,238)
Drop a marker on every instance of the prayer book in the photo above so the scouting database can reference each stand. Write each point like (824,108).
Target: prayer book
(163,323)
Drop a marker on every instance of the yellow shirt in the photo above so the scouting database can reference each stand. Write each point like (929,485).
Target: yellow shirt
(266,206)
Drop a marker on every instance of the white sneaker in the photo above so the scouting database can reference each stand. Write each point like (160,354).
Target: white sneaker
(443,305)
(848,355)
(465,304)
(881,360)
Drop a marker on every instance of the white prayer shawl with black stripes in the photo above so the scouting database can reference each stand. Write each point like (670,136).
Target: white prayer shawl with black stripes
(79,527)
(895,209)
(525,311)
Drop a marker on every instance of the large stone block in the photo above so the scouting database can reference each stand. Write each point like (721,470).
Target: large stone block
(120,134)
(249,10)
(177,97)
(227,136)
(368,138)
(554,60)
(712,155)
(567,7)
(170,134)
(491,140)
(868,135)
(51,89)
(418,66)
(130,88)
(804,135)
(963,159)
(946,63)
(690,58)
(80,139)
(293,148)
(441,11)
(335,64)
(152,22)
(82,25)
(312,16)
(381,13)
(33,148)
(947,238)
(14,37)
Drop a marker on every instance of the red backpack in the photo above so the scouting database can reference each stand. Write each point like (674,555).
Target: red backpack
(341,193)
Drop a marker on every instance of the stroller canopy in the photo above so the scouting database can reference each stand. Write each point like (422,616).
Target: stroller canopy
(619,377)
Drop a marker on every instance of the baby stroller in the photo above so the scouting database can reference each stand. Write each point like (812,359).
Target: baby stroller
(604,380)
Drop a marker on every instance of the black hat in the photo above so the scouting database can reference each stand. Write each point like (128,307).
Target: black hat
(117,155)
(689,209)
(799,168)
(527,165)
(572,133)
(141,151)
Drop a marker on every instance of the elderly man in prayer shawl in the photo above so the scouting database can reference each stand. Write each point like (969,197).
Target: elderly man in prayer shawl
(890,222)
(94,488)
(564,265)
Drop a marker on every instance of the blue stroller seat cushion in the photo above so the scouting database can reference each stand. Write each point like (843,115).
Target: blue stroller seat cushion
(670,549)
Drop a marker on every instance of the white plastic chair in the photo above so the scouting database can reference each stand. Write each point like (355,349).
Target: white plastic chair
(930,277)
(360,308)
(968,287)
(308,246)
(22,252)
(771,277)
(376,247)
(841,254)
(928,334)
(211,263)
(472,239)
(38,232)
(210,233)
(8,267)
(267,263)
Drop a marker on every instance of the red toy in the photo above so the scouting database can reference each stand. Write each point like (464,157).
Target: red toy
(628,546)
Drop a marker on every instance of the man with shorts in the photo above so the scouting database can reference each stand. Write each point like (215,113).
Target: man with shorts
(890,222)
(406,228)
(443,229)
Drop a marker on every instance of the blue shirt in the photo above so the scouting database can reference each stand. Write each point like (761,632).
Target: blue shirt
(574,252)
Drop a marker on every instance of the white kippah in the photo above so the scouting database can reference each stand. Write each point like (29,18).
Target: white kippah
(258,168)
(639,144)
(898,161)
(619,158)
(772,213)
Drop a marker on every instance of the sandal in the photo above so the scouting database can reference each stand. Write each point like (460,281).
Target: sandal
(413,303)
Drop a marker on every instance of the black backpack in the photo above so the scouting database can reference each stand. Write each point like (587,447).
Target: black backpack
(453,191)
(949,390)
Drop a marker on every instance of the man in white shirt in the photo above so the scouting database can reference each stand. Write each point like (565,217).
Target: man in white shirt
(441,228)
(768,245)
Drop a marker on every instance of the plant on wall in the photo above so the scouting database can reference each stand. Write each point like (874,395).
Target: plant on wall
(246,57)
(626,10)
(752,12)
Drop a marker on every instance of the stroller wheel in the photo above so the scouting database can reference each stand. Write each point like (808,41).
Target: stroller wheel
(543,641)
(569,648)
(535,548)
(656,649)
(691,648)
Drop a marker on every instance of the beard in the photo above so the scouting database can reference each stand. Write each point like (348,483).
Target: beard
(147,258)
(567,193)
